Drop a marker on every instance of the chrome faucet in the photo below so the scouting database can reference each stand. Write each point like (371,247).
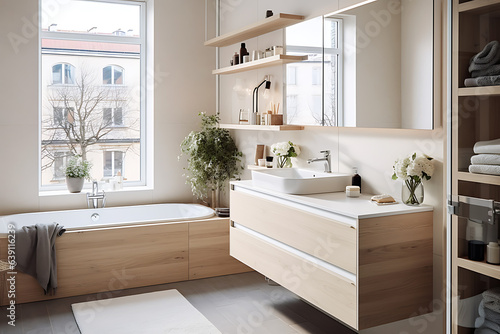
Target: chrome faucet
(94,197)
(326,158)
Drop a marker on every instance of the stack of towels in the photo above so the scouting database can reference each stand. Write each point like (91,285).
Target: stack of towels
(488,321)
(487,158)
(485,67)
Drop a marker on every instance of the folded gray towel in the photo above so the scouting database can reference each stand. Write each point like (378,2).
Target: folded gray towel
(492,315)
(489,55)
(491,325)
(492,299)
(492,80)
(487,71)
(36,253)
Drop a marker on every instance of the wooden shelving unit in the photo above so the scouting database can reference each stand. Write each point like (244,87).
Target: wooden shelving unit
(262,127)
(475,117)
(275,22)
(261,63)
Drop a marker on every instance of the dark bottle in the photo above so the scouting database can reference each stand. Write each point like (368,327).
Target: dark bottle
(243,52)
(356,179)
(236,59)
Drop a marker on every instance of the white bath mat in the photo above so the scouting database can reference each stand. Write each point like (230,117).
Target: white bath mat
(149,313)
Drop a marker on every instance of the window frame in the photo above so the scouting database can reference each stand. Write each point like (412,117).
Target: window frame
(142,40)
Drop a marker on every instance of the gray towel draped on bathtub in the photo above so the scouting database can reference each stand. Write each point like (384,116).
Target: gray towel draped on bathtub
(36,253)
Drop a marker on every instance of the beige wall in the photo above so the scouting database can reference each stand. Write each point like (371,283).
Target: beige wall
(181,71)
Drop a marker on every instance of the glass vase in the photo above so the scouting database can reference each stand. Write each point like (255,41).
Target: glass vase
(284,162)
(412,192)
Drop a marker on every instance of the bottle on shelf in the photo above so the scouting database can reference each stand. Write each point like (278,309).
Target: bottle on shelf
(243,52)
(236,58)
(356,179)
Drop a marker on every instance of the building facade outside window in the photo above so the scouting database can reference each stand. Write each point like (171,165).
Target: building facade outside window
(87,106)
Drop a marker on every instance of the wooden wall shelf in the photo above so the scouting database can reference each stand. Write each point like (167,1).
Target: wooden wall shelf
(480,267)
(479,178)
(261,63)
(262,127)
(269,24)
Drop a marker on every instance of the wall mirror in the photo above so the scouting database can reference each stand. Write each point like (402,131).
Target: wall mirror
(373,66)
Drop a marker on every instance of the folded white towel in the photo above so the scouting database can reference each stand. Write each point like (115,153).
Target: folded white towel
(488,147)
(484,169)
(485,159)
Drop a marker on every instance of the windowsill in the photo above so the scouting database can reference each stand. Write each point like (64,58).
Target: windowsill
(65,192)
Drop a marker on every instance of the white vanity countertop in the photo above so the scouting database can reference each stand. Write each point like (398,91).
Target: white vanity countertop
(359,208)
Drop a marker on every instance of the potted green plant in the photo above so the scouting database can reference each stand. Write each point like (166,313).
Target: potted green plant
(77,170)
(212,159)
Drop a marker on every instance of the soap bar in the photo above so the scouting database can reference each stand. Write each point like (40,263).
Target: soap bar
(383,198)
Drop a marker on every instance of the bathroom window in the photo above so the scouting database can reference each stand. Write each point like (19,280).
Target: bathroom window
(63,74)
(87,106)
(113,163)
(113,116)
(112,75)
(317,87)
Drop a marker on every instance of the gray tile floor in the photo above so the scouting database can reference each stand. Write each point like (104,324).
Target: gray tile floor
(235,304)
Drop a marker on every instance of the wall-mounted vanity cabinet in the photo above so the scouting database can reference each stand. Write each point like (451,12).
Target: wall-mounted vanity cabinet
(363,264)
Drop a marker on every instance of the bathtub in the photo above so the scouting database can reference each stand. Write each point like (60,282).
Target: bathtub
(105,250)
(109,217)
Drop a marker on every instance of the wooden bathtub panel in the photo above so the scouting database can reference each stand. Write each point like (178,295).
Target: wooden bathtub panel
(91,261)
(209,250)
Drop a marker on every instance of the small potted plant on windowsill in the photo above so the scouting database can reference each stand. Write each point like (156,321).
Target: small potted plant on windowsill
(76,172)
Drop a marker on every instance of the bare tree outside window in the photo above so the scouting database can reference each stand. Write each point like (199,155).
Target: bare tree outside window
(83,116)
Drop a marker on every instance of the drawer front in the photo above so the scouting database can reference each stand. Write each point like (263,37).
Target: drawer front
(324,238)
(330,292)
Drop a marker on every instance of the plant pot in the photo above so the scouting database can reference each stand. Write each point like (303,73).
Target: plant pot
(75,184)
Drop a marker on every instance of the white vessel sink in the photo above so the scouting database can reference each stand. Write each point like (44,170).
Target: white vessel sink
(300,181)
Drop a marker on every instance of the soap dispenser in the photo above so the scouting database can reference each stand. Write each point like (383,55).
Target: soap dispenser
(356,179)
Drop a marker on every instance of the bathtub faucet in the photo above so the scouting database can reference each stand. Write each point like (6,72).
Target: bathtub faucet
(94,197)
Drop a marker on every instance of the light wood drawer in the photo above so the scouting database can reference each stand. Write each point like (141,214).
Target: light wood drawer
(324,238)
(333,293)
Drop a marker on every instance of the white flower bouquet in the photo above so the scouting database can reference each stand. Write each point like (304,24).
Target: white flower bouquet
(284,151)
(413,170)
